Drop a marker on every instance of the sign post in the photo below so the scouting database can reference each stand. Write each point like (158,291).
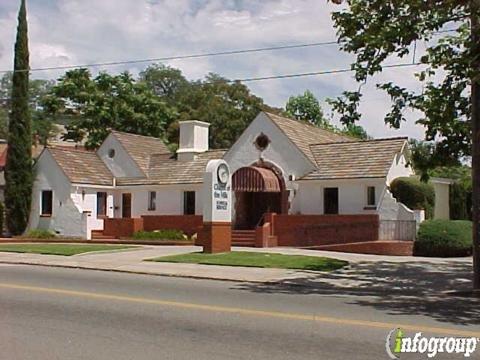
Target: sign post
(217,207)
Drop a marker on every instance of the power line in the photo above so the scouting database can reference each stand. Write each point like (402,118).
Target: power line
(195,56)
(181,57)
(316,73)
(297,75)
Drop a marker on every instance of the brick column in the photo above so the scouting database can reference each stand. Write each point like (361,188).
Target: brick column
(216,237)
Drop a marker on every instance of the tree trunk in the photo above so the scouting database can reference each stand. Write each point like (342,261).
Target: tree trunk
(475,15)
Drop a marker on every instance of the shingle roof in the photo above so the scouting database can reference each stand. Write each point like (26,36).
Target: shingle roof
(81,166)
(355,159)
(166,170)
(303,135)
(141,147)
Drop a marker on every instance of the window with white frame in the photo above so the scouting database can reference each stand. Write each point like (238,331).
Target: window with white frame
(46,205)
(189,202)
(152,200)
(371,201)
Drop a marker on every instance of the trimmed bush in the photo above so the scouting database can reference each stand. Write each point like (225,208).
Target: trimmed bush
(444,238)
(167,234)
(415,194)
(39,234)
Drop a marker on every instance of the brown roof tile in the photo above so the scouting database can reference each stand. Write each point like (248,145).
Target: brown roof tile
(303,134)
(141,147)
(166,170)
(355,159)
(81,166)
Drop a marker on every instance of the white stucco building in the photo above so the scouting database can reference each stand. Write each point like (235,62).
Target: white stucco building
(279,165)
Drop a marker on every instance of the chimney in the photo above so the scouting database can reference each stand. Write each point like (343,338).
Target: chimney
(193,139)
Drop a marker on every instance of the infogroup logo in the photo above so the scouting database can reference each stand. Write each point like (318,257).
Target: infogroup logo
(432,346)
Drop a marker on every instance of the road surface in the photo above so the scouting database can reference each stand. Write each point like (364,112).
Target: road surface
(55,313)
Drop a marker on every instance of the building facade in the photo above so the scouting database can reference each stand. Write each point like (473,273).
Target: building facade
(279,166)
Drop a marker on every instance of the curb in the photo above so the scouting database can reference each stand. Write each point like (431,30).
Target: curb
(195,277)
(90,242)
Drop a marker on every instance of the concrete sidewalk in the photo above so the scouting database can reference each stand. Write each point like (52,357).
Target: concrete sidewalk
(132,260)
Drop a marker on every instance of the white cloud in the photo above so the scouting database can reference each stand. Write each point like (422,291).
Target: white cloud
(65,32)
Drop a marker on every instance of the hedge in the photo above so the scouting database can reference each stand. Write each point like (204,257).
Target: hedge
(39,234)
(444,238)
(168,234)
(415,194)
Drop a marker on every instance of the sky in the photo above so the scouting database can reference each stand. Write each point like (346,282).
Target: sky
(70,32)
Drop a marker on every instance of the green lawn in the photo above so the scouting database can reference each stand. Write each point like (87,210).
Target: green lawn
(58,249)
(257,259)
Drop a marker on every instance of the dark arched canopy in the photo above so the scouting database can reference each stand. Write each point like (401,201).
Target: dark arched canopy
(255,179)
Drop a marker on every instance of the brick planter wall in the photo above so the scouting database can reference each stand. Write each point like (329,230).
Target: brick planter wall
(117,228)
(189,224)
(313,230)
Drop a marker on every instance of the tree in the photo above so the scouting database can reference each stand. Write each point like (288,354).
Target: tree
(18,169)
(450,101)
(355,131)
(306,108)
(165,81)
(98,105)
(228,106)
(42,126)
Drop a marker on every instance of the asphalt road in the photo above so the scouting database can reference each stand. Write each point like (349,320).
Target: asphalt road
(54,313)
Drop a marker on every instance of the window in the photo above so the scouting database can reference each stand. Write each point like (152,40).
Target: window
(47,203)
(152,198)
(101,204)
(111,153)
(330,200)
(371,196)
(189,202)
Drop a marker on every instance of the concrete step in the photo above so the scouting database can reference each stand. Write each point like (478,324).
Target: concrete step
(240,239)
(244,243)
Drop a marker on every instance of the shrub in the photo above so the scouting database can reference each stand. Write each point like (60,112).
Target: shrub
(167,234)
(415,194)
(39,234)
(444,238)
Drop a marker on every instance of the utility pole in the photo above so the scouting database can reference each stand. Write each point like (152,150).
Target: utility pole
(475,28)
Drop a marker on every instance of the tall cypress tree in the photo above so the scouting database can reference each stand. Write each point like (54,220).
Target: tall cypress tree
(18,169)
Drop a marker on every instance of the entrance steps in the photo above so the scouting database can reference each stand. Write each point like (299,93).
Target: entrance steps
(243,238)
(98,235)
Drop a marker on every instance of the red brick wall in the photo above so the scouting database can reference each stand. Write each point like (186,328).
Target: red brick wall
(189,224)
(312,230)
(121,227)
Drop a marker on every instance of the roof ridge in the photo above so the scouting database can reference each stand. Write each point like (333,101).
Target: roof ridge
(308,124)
(361,141)
(132,134)
(69,149)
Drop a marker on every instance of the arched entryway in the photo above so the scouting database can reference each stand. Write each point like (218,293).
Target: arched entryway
(258,189)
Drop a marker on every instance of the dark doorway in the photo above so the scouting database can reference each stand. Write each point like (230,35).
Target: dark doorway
(250,207)
(126,205)
(330,200)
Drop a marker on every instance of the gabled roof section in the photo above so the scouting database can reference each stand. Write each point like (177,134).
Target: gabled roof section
(355,159)
(140,147)
(165,169)
(303,134)
(82,166)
